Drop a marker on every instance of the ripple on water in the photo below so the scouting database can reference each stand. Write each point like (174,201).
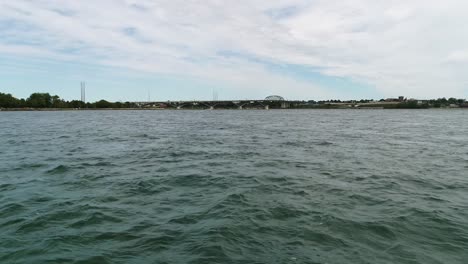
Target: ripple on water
(234,187)
(11,209)
(60,169)
(95,218)
(7,187)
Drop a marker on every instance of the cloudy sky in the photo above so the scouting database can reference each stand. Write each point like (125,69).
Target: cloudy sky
(300,49)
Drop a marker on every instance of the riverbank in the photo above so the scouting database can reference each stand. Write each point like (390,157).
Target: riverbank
(200,109)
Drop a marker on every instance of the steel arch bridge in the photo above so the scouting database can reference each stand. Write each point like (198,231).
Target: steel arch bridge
(273,101)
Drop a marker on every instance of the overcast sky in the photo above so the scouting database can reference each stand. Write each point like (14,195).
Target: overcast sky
(174,49)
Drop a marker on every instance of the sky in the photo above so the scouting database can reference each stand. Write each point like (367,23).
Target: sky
(135,50)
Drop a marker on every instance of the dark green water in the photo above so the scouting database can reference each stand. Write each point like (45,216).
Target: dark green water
(319,186)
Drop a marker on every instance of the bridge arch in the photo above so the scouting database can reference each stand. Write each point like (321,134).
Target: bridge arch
(274,98)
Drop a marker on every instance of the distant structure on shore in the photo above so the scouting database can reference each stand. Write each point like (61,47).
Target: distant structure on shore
(279,102)
(272,101)
(274,98)
(47,101)
(83,92)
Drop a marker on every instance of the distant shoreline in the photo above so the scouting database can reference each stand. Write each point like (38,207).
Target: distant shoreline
(202,109)
(47,102)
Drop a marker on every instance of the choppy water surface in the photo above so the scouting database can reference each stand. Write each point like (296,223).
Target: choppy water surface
(319,186)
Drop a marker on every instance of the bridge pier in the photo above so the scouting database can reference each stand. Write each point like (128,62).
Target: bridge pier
(179,107)
(267,107)
(211,107)
(240,107)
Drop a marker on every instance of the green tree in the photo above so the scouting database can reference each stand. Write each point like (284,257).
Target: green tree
(39,100)
(443,101)
(56,102)
(452,100)
(103,104)
(8,101)
(75,104)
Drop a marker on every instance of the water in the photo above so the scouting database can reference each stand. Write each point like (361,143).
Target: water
(313,186)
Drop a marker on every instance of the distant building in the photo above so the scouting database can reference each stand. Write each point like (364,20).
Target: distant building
(395,100)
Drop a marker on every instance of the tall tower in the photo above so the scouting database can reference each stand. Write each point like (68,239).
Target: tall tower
(215,94)
(83,92)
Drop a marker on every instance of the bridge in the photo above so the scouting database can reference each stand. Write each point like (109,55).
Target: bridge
(271,102)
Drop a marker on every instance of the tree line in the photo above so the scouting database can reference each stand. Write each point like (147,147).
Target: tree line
(431,103)
(45,100)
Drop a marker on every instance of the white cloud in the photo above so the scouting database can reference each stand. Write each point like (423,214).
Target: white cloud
(459,56)
(415,48)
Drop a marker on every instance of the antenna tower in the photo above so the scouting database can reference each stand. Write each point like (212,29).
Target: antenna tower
(215,95)
(83,92)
